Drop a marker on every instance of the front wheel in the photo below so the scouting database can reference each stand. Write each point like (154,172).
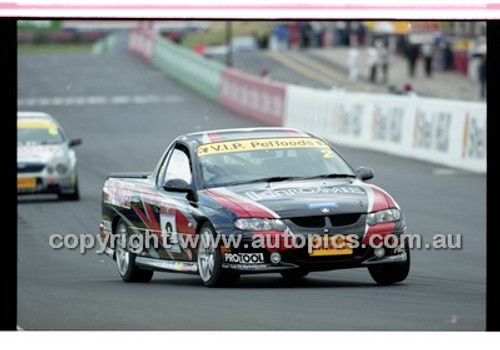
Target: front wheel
(391,273)
(71,196)
(125,260)
(210,261)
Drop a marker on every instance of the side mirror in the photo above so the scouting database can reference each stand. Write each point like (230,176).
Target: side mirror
(179,185)
(75,142)
(365,173)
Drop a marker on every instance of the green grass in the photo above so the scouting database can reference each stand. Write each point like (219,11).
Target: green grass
(52,48)
(216,34)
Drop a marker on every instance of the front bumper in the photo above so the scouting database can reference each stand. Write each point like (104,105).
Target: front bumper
(391,259)
(259,260)
(43,183)
(361,256)
(317,263)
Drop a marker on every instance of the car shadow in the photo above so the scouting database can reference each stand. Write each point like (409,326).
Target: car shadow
(267,282)
(41,198)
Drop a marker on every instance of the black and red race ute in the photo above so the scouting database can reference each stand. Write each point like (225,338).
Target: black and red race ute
(228,202)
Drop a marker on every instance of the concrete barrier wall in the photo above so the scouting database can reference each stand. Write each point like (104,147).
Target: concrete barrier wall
(141,43)
(450,133)
(253,97)
(105,45)
(188,67)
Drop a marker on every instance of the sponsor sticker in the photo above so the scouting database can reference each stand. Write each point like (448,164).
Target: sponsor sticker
(252,267)
(474,138)
(107,226)
(49,126)
(432,131)
(244,258)
(36,124)
(323,205)
(259,144)
(117,193)
(291,192)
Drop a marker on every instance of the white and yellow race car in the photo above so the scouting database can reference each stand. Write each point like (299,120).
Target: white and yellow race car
(46,160)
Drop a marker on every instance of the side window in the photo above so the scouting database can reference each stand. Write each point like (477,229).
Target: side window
(178,166)
(161,172)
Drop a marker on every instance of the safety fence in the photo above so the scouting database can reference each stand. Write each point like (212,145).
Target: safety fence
(105,45)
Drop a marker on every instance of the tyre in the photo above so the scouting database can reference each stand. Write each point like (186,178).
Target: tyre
(294,274)
(125,260)
(391,273)
(210,261)
(71,196)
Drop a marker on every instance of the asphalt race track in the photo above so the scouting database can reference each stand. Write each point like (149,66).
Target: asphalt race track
(127,113)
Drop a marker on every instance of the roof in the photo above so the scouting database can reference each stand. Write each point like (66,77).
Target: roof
(37,117)
(34,115)
(244,133)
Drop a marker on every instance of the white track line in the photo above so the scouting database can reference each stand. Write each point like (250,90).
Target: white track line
(97,100)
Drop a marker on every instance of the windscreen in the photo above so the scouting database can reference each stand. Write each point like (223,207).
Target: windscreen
(38,133)
(242,161)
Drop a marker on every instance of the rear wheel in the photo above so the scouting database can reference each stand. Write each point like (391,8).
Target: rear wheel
(391,273)
(125,260)
(210,261)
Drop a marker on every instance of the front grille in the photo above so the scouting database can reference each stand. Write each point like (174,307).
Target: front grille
(309,221)
(320,221)
(30,168)
(344,219)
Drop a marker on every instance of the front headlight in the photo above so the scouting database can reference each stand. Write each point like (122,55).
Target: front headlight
(382,216)
(61,168)
(60,162)
(256,224)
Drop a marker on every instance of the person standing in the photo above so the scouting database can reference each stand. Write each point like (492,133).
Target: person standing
(281,33)
(427,52)
(372,61)
(383,57)
(308,35)
(443,53)
(412,56)
(448,57)
(353,61)
(361,34)
(317,34)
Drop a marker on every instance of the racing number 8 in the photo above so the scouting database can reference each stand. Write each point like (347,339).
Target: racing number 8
(168,228)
